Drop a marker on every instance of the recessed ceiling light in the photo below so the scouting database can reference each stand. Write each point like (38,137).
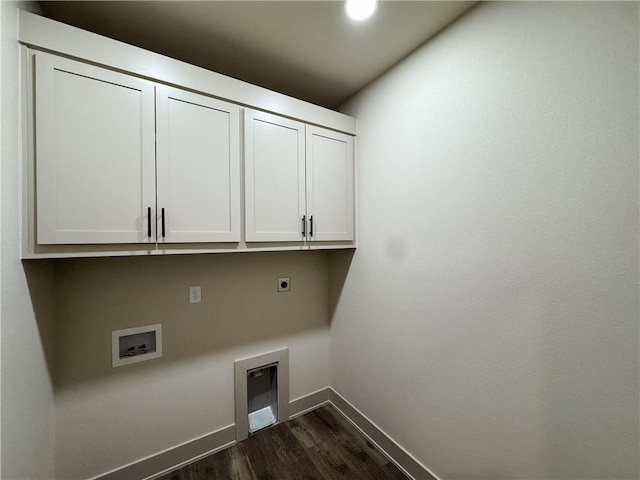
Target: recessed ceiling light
(359,10)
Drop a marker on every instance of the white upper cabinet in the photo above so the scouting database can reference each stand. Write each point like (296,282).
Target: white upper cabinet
(121,160)
(128,152)
(330,182)
(299,181)
(94,149)
(274,178)
(198,168)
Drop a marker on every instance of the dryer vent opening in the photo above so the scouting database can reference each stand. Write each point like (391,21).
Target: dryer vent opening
(262,391)
(262,397)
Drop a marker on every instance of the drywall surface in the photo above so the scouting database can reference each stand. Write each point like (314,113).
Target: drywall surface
(107,417)
(489,320)
(27,403)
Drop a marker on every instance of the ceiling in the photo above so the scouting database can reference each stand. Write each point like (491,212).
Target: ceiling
(305,49)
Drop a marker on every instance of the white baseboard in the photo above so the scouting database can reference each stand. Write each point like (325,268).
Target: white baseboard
(387,445)
(310,402)
(167,460)
(176,457)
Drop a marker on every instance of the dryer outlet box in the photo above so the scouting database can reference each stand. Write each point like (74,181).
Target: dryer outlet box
(284,284)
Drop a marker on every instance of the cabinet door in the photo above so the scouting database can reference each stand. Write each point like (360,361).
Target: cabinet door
(330,186)
(274,178)
(198,162)
(94,154)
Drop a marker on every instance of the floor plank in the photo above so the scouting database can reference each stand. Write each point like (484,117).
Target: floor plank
(320,445)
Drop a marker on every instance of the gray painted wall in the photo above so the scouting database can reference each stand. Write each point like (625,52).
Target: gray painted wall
(489,320)
(108,417)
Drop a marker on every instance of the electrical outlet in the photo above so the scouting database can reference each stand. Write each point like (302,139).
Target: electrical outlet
(284,284)
(195,294)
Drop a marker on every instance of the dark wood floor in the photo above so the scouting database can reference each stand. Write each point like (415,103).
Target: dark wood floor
(320,445)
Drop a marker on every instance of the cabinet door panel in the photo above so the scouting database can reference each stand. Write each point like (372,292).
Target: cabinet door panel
(330,184)
(95,158)
(274,178)
(198,167)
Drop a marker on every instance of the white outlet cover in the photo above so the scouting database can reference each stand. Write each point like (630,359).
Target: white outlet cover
(284,284)
(195,294)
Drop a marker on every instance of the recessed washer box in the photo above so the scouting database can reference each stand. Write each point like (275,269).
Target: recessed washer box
(137,344)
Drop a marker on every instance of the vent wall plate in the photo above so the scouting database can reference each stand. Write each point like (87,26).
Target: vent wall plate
(261,367)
